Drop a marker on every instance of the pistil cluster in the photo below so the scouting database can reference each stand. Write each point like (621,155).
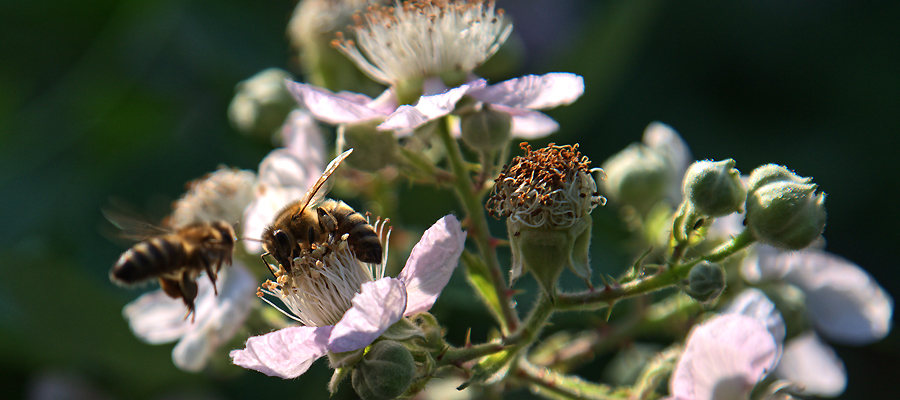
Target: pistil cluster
(548,187)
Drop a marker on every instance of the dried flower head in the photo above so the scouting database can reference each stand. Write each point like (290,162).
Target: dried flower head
(548,187)
(422,38)
(547,196)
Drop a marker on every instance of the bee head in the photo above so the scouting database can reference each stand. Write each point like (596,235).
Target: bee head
(280,245)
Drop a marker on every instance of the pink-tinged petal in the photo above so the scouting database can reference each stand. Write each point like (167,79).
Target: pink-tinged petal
(529,124)
(724,358)
(431,263)
(428,108)
(754,303)
(302,136)
(844,302)
(285,353)
(533,91)
(813,364)
(333,108)
(762,264)
(375,308)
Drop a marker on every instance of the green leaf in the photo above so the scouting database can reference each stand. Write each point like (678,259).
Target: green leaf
(478,276)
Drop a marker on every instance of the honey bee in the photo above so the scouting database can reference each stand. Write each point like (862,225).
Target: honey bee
(176,257)
(313,219)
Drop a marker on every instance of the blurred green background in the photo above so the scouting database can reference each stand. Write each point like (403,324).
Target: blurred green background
(127,100)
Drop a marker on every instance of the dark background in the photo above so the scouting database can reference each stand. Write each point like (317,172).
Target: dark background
(128,100)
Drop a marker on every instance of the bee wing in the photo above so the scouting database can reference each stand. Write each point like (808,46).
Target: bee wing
(132,227)
(320,189)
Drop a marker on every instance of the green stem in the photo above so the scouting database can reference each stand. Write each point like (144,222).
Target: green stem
(590,300)
(563,386)
(479,228)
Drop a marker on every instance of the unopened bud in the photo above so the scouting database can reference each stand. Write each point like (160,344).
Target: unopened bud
(706,282)
(486,129)
(261,103)
(713,188)
(636,176)
(386,371)
(783,210)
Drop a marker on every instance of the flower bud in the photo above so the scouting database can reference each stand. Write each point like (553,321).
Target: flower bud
(547,196)
(486,129)
(636,176)
(783,210)
(713,188)
(373,149)
(261,103)
(385,372)
(706,282)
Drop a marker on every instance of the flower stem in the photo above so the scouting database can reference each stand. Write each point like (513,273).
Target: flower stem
(479,228)
(558,385)
(591,300)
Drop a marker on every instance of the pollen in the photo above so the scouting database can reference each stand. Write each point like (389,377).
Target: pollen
(550,187)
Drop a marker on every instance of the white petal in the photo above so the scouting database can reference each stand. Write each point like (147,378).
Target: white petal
(157,318)
(302,136)
(375,308)
(334,108)
(754,303)
(431,263)
(813,364)
(533,91)
(844,302)
(218,317)
(427,108)
(666,142)
(724,358)
(285,353)
(529,124)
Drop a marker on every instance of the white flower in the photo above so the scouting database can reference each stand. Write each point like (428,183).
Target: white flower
(519,97)
(843,303)
(423,38)
(723,359)
(336,326)
(157,318)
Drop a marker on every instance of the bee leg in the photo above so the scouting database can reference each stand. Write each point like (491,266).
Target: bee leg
(327,221)
(210,271)
(311,236)
(268,266)
(170,287)
(188,294)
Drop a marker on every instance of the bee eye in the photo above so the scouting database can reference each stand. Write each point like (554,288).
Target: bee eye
(282,239)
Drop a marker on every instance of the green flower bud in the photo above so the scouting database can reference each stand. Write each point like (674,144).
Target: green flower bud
(261,103)
(713,188)
(486,129)
(373,149)
(706,282)
(769,173)
(547,196)
(784,211)
(636,176)
(387,371)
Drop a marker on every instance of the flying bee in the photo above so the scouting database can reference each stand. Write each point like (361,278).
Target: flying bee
(313,220)
(176,257)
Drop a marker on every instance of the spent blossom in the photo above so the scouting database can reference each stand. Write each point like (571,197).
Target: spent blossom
(360,306)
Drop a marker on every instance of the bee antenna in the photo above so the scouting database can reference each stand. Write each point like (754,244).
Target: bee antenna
(250,239)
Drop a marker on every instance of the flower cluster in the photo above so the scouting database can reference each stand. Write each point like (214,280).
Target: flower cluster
(762,297)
